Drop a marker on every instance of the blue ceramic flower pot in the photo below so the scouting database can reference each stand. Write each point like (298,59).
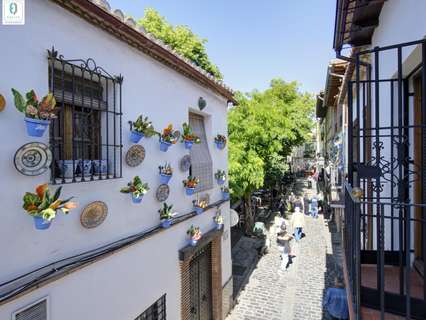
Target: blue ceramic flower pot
(190,191)
(220,145)
(193,242)
(164,146)
(136,136)
(136,199)
(166,223)
(85,167)
(36,127)
(225,195)
(188,144)
(164,178)
(219,226)
(199,210)
(220,181)
(41,224)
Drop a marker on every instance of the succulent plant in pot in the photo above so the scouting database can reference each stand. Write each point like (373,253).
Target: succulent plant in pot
(166,215)
(37,113)
(142,127)
(42,206)
(167,138)
(194,234)
(218,219)
(225,193)
(190,184)
(136,188)
(220,141)
(220,176)
(199,205)
(166,173)
(188,136)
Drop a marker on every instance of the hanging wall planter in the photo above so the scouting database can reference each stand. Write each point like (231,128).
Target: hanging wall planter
(220,176)
(37,114)
(199,206)
(166,173)
(168,137)
(220,141)
(166,215)
(218,220)
(43,206)
(142,127)
(225,193)
(188,137)
(136,188)
(194,235)
(190,184)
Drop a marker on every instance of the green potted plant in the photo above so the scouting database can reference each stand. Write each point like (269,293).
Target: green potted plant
(220,176)
(199,206)
(194,234)
(142,127)
(167,138)
(37,113)
(218,220)
(166,215)
(136,188)
(188,137)
(166,173)
(42,206)
(225,193)
(190,184)
(220,141)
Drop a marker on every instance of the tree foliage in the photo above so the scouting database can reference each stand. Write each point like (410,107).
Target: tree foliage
(263,129)
(181,39)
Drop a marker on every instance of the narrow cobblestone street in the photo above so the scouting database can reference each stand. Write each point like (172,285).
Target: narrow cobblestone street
(297,293)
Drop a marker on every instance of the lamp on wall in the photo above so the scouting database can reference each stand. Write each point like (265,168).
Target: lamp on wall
(202,103)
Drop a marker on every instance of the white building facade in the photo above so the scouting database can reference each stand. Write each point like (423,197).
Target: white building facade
(128,267)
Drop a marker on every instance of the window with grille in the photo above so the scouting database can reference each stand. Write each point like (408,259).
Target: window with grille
(201,161)
(85,138)
(157,311)
(35,311)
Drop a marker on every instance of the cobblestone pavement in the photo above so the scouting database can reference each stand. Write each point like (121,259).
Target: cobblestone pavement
(272,294)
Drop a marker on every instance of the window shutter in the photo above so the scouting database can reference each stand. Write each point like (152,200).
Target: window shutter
(36,311)
(201,161)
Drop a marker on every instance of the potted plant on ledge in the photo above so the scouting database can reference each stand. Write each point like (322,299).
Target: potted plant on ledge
(220,141)
(37,114)
(167,138)
(199,206)
(190,184)
(225,193)
(43,207)
(220,176)
(188,137)
(218,220)
(142,127)
(166,215)
(194,234)
(136,188)
(166,173)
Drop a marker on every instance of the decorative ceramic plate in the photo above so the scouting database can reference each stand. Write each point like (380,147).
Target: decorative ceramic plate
(32,159)
(185,163)
(135,155)
(93,214)
(163,192)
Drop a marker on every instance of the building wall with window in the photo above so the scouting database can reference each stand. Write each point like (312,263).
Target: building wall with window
(124,284)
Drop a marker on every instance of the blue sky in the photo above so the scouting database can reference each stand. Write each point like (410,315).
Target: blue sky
(254,41)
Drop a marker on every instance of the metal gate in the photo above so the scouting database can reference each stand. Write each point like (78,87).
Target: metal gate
(201,285)
(384,237)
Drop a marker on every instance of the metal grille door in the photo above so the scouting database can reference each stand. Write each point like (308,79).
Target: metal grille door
(200,283)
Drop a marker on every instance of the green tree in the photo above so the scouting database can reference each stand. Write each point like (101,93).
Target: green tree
(263,129)
(181,39)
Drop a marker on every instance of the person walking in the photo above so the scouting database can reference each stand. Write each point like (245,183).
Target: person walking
(283,240)
(335,302)
(299,203)
(314,207)
(298,223)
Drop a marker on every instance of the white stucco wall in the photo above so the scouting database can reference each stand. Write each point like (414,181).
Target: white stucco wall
(123,285)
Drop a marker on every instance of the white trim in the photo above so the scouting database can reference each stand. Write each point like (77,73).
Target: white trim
(46,298)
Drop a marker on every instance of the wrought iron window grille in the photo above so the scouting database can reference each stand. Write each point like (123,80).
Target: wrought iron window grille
(157,311)
(86,137)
